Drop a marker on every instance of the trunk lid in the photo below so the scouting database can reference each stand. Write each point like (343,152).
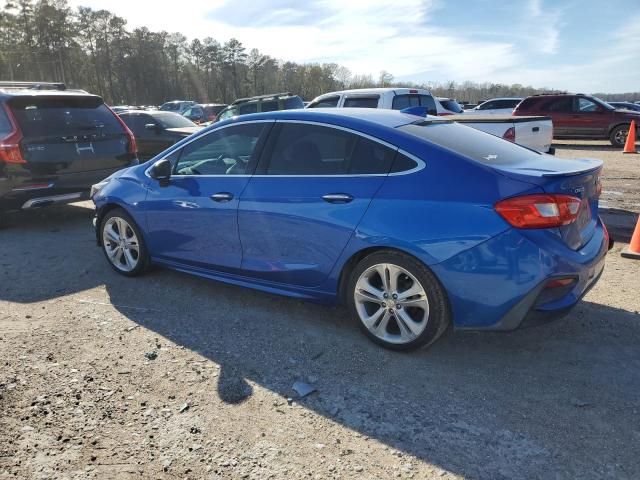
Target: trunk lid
(65,134)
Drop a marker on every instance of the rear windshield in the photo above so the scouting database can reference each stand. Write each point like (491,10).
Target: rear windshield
(293,102)
(170,107)
(362,102)
(63,116)
(173,120)
(480,146)
(451,105)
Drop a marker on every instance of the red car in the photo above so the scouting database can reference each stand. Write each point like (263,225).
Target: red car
(580,116)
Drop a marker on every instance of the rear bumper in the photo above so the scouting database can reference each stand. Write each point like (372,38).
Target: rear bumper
(500,284)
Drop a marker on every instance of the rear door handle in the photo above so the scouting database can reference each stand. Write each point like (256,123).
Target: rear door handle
(337,198)
(536,129)
(222,197)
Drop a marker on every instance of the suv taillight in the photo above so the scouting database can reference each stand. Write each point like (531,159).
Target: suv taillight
(10,145)
(510,134)
(539,211)
(133,146)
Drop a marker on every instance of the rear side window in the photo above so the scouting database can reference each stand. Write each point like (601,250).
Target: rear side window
(527,104)
(451,105)
(329,102)
(5,125)
(402,163)
(469,142)
(64,116)
(269,106)
(564,104)
(362,102)
(430,103)
(304,149)
(246,108)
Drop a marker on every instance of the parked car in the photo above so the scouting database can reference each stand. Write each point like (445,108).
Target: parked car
(415,223)
(55,143)
(496,106)
(176,106)
(581,116)
(261,103)
(121,108)
(625,106)
(155,131)
(532,132)
(206,112)
(389,98)
(450,105)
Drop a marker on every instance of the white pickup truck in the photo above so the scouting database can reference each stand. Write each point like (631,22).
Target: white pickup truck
(532,132)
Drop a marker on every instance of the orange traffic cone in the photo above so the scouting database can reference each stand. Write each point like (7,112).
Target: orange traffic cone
(634,247)
(630,144)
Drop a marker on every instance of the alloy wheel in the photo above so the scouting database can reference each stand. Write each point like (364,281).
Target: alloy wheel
(391,303)
(120,243)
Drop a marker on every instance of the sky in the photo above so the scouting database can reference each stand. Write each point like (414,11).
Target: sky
(575,45)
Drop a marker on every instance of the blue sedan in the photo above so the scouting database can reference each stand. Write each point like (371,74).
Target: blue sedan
(416,223)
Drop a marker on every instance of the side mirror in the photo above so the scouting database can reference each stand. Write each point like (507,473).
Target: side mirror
(152,126)
(161,171)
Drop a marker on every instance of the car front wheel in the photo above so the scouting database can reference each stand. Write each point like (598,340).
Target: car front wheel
(122,243)
(397,301)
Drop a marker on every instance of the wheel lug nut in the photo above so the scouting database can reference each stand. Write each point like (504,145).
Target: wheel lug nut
(385,295)
(398,307)
(391,310)
(384,304)
(395,295)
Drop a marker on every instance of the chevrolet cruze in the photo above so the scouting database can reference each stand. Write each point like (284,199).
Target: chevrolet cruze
(416,223)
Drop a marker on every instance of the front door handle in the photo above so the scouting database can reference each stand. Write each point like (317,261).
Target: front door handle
(337,198)
(222,197)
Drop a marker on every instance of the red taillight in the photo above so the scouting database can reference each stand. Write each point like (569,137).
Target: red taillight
(133,147)
(10,145)
(444,114)
(539,211)
(413,90)
(510,135)
(560,282)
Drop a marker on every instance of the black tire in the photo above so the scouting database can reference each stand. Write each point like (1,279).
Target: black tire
(439,316)
(143,260)
(618,135)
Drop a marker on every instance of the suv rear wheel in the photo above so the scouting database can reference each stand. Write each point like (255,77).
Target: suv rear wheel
(619,135)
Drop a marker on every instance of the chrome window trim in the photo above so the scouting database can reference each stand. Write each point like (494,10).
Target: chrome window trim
(420,164)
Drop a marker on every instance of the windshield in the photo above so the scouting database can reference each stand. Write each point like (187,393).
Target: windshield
(173,120)
(227,113)
(479,146)
(171,107)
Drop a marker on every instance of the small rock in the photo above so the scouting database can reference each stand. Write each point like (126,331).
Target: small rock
(152,355)
(184,408)
(358,468)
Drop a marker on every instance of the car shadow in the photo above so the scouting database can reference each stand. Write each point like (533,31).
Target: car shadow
(620,223)
(481,405)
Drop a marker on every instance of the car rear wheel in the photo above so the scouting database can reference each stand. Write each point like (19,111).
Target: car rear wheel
(397,301)
(619,135)
(122,243)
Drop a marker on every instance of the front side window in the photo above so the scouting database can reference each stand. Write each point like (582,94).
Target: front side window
(361,102)
(329,102)
(305,149)
(585,106)
(227,151)
(488,106)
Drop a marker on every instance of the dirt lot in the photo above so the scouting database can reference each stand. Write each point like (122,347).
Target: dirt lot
(170,376)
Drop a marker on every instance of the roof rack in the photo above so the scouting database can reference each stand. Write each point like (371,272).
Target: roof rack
(258,97)
(34,85)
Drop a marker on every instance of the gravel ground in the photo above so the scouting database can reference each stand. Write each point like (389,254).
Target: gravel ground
(171,376)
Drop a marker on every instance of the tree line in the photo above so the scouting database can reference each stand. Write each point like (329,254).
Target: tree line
(47,40)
